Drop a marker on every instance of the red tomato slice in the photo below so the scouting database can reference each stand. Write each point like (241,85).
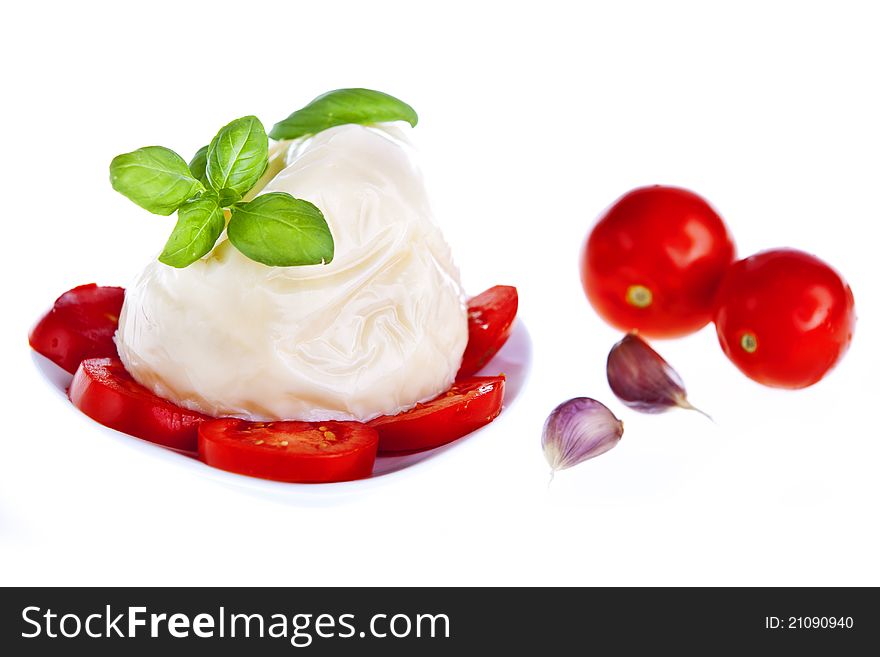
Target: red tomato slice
(304,452)
(467,406)
(105,391)
(490,321)
(80,325)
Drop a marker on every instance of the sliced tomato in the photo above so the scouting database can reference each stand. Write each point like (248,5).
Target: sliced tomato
(490,321)
(80,325)
(105,391)
(467,406)
(304,452)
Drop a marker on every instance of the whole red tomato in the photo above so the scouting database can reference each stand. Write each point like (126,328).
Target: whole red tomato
(784,317)
(654,261)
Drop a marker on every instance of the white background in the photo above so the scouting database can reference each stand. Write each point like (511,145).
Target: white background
(533,119)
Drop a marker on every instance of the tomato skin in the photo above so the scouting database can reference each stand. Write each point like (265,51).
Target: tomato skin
(312,452)
(106,392)
(654,261)
(490,321)
(784,317)
(467,406)
(80,325)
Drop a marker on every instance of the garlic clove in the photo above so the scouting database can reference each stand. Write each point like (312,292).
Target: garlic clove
(643,380)
(577,430)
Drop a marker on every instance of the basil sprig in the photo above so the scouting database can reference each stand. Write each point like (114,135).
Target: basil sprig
(363,106)
(274,229)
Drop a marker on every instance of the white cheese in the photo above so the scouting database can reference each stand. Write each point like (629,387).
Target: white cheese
(380,328)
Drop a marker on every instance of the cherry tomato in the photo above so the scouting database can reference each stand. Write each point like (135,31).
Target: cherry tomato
(80,325)
(654,261)
(467,406)
(490,321)
(305,452)
(105,391)
(784,317)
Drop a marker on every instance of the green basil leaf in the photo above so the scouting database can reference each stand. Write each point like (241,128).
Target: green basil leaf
(237,157)
(228,197)
(199,164)
(199,223)
(279,230)
(155,178)
(342,106)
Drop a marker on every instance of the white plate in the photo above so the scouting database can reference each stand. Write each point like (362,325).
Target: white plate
(514,360)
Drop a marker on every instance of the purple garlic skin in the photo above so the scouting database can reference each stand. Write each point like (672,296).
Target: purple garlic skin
(642,379)
(577,430)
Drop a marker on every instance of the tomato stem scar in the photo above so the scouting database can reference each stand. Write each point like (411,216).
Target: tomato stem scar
(748,342)
(639,296)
